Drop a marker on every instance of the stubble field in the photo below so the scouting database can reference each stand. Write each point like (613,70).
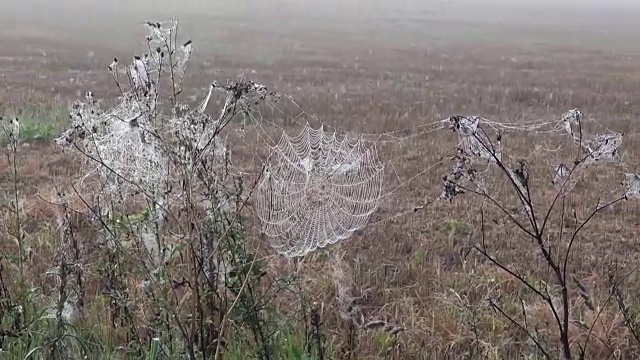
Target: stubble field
(418,272)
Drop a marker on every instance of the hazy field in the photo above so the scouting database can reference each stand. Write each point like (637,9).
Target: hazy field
(377,66)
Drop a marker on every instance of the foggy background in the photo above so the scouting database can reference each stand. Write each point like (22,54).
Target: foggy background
(116,24)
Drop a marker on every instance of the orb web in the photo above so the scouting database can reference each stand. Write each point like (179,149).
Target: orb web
(317,190)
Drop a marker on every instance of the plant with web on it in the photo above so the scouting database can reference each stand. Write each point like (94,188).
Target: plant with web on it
(597,147)
(632,185)
(136,148)
(478,146)
(317,190)
(133,145)
(474,140)
(462,171)
(117,144)
(153,149)
(124,147)
(536,224)
(123,144)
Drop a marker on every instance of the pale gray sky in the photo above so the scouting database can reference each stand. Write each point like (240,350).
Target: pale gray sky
(42,7)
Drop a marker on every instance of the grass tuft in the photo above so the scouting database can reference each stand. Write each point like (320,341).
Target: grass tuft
(38,124)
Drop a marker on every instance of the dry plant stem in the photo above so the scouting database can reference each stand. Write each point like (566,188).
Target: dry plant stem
(237,213)
(62,293)
(174,95)
(629,319)
(583,349)
(525,200)
(192,220)
(235,301)
(537,233)
(165,301)
(483,251)
(497,308)
(12,159)
(16,199)
(317,323)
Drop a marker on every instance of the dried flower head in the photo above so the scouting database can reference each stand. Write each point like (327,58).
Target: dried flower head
(632,185)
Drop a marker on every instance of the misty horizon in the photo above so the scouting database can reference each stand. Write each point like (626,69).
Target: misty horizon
(577,22)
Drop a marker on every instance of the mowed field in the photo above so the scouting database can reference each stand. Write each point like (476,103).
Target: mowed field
(376,69)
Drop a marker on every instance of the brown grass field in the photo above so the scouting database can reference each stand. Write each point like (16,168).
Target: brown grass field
(376,71)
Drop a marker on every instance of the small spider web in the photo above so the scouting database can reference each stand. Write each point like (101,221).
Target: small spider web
(632,185)
(595,147)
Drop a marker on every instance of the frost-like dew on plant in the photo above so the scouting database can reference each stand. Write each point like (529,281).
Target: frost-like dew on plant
(10,129)
(196,136)
(572,124)
(461,171)
(466,126)
(116,141)
(596,148)
(127,144)
(474,140)
(632,184)
(317,190)
(603,147)
(476,146)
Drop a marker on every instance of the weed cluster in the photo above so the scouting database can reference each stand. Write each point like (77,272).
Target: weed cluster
(162,267)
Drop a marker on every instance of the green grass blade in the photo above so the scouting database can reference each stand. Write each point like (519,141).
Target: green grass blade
(155,349)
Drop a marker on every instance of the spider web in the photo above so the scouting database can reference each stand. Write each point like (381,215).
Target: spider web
(596,147)
(124,144)
(632,184)
(297,222)
(116,142)
(317,190)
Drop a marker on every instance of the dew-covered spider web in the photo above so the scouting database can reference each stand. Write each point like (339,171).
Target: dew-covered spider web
(317,189)
(300,200)
(130,144)
(601,147)
(116,143)
(321,182)
(632,185)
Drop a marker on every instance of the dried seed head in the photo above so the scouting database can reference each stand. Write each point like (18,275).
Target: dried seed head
(11,128)
(632,183)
